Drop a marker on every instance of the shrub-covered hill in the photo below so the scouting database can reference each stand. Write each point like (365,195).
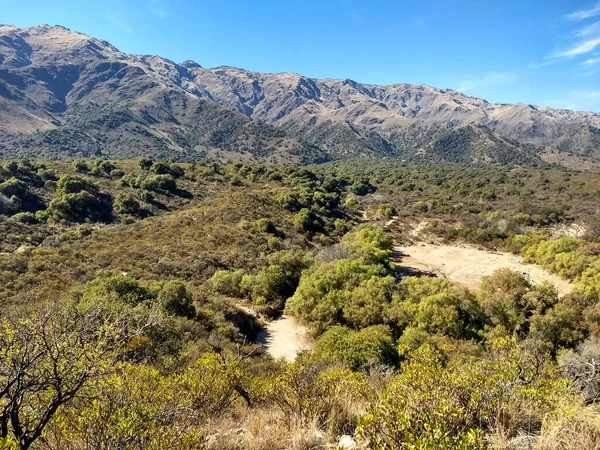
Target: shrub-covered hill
(131,295)
(156,220)
(481,204)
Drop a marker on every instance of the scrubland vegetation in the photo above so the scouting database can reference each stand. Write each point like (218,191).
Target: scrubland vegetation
(128,289)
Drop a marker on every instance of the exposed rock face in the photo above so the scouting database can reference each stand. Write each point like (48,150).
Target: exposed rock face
(63,93)
(399,119)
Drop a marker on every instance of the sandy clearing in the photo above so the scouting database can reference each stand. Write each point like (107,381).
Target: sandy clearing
(285,337)
(466,265)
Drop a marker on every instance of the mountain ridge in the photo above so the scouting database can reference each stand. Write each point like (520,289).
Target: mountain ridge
(56,84)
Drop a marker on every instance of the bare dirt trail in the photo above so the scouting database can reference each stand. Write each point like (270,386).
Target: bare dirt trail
(466,265)
(285,337)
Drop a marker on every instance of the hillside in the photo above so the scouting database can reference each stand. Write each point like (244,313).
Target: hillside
(64,94)
(135,296)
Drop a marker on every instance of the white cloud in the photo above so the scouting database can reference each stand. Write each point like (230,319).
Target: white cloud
(487,80)
(580,49)
(590,95)
(543,64)
(118,21)
(590,30)
(591,61)
(585,13)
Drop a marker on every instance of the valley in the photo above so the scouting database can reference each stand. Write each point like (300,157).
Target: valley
(214,258)
(466,265)
(233,299)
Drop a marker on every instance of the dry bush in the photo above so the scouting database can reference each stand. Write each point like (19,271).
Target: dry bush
(263,429)
(575,430)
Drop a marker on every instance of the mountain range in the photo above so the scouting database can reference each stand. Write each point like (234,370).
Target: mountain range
(64,94)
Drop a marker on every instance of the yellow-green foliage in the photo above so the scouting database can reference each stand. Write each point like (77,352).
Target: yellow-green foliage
(435,306)
(352,291)
(371,244)
(436,402)
(572,258)
(134,408)
(137,407)
(310,393)
(513,305)
(152,350)
(372,346)
(321,295)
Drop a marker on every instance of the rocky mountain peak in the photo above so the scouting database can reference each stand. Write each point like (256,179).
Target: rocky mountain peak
(52,78)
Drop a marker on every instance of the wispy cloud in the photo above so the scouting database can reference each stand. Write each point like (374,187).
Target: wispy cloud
(581,48)
(590,30)
(117,20)
(591,61)
(487,80)
(583,14)
(158,8)
(542,64)
(587,94)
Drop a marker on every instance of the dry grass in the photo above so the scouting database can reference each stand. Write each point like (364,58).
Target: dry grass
(578,429)
(264,429)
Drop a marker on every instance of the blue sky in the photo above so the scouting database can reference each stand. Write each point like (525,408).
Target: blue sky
(533,51)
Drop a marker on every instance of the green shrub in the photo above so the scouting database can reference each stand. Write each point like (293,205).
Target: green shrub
(175,299)
(145,163)
(309,394)
(436,307)
(267,285)
(387,211)
(69,184)
(25,217)
(127,204)
(79,207)
(42,216)
(352,203)
(437,402)
(305,221)
(360,188)
(370,347)
(159,183)
(227,282)
(160,168)
(105,167)
(80,166)
(265,225)
(13,187)
(47,175)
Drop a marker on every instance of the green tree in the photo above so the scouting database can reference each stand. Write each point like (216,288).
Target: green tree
(47,357)
(145,163)
(127,204)
(175,299)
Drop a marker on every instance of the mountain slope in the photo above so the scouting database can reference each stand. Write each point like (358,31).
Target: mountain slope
(64,94)
(421,112)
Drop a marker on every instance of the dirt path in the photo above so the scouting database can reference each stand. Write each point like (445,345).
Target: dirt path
(466,265)
(284,338)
